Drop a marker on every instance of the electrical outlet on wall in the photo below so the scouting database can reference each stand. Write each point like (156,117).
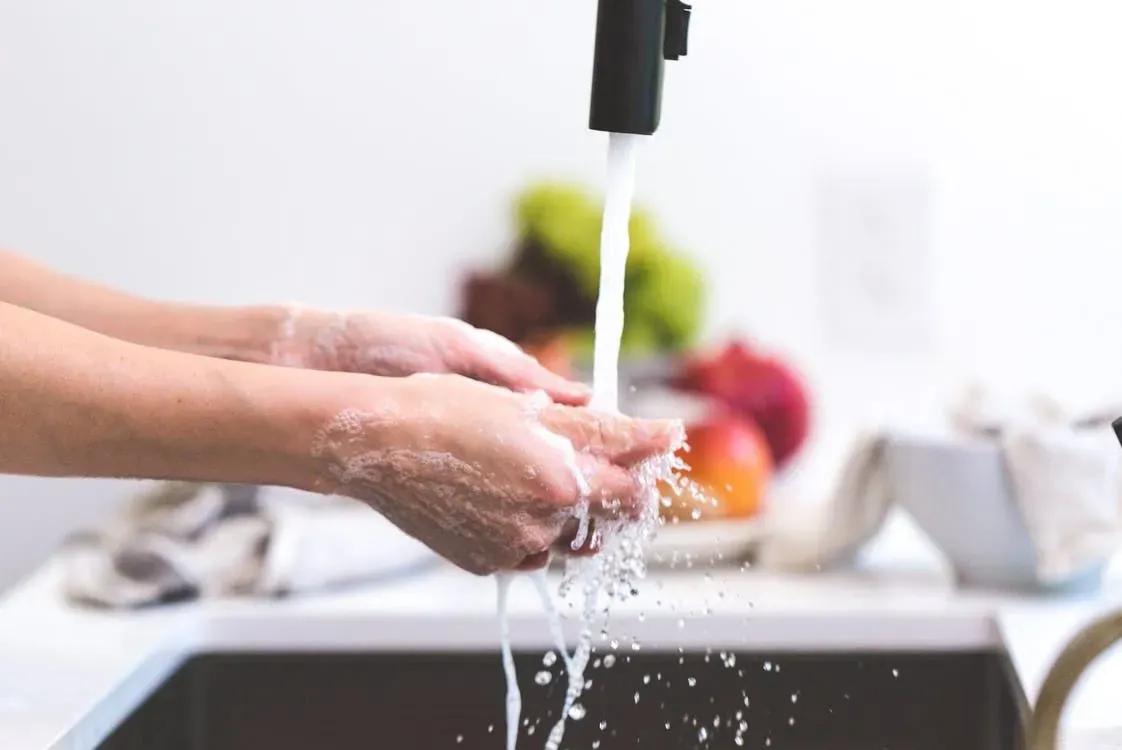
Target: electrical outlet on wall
(873,249)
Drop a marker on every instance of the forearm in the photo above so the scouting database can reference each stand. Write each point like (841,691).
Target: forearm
(77,403)
(245,333)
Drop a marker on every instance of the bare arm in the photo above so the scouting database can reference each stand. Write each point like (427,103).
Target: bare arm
(245,333)
(77,403)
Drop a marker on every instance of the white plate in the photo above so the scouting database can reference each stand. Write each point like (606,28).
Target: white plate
(702,543)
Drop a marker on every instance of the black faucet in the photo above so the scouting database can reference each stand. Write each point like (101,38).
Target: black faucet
(633,38)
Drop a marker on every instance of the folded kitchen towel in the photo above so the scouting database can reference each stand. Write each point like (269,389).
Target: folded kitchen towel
(185,541)
(835,531)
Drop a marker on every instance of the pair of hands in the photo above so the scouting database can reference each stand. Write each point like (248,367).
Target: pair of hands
(483,455)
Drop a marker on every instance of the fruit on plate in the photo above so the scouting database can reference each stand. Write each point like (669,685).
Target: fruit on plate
(730,469)
(756,385)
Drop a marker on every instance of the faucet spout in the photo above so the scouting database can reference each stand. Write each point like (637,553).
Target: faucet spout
(1064,675)
(633,39)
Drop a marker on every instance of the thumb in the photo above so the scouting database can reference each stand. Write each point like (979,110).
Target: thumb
(522,372)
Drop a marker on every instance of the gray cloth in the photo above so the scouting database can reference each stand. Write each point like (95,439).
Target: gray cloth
(184,541)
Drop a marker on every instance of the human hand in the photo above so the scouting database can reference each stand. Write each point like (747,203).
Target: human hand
(488,478)
(389,344)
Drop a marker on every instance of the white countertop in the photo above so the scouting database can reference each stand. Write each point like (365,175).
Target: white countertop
(67,675)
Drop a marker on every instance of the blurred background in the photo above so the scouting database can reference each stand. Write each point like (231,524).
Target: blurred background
(890,198)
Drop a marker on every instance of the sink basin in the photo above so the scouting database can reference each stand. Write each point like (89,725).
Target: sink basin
(340,701)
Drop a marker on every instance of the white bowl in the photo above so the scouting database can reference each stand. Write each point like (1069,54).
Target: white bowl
(960,494)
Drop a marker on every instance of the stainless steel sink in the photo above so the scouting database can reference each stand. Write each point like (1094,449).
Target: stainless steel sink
(327,701)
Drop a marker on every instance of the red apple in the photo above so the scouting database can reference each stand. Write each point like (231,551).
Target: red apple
(756,385)
(730,465)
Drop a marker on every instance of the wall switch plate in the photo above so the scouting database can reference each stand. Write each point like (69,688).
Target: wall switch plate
(873,246)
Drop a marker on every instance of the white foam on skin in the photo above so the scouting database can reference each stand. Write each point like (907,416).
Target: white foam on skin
(538,402)
(620,563)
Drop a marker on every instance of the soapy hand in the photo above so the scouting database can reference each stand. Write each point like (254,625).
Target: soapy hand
(388,344)
(488,478)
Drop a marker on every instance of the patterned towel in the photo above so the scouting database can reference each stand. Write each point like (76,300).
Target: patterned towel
(192,541)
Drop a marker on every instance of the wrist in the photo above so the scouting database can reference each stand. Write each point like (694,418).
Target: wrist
(244,334)
(359,418)
(244,423)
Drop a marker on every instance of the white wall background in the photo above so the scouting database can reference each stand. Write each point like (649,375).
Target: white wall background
(363,152)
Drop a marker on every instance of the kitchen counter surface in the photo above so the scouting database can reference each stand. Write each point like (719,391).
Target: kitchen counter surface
(67,676)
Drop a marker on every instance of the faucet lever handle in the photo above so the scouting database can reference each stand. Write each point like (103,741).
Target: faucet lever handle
(676,42)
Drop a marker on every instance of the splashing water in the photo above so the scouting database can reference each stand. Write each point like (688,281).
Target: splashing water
(620,564)
(513,694)
(615,242)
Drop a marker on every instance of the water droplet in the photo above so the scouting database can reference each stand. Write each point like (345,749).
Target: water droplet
(738,740)
(550,658)
(695,514)
(635,646)
(896,673)
(716,721)
(702,734)
(681,622)
(595,744)
(691,681)
(543,677)
(614,644)
(767,666)
(646,679)
(636,696)
(791,721)
(794,697)
(577,712)
(459,739)
(490,728)
(609,661)
(742,727)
